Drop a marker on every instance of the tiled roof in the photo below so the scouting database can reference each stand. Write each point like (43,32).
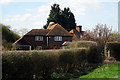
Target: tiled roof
(38,32)
(75,33)
(58,30)
(55,29)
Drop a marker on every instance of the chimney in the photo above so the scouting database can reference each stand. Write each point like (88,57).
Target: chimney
(79,28)
(50,24)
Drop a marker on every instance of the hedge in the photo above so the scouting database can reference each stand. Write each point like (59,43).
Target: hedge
(40,64)
(35,65)
(82,44)
(112,49)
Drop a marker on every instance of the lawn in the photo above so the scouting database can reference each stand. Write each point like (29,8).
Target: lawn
(105,71)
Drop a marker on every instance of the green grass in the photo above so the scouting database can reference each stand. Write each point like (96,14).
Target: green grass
(105,71)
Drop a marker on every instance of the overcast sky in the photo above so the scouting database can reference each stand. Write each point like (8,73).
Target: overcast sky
(33,14)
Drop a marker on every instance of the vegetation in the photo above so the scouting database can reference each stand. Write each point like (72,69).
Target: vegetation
(99,34)
(63,17)
(46,64)
(66,64)
(94,55)
(112,49)
(114,37)
(8,36)
(38,64)
(104,72)
(82,58)
(82,44)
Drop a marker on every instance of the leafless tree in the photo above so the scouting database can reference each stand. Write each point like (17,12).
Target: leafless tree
(23,31)
(100,34)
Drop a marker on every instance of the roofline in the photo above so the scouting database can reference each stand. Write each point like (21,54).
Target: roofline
(19,40)
(60,26)
(51,29)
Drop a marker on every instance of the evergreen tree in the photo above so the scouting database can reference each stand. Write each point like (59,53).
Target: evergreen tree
(54,15)
(63,17)
(68,20)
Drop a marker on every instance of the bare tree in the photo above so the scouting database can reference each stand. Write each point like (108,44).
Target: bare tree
(23,31)
(100,34)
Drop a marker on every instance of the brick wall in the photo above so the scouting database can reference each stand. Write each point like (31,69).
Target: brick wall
(51,44)
(57,44)
(31,39)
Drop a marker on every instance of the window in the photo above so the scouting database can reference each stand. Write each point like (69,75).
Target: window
(58,38)
(39,38)
(39,48)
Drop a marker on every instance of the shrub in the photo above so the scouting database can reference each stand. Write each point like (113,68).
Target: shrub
(41,64)
(16,66)
(94,55)
(82,44)
(112,49)
(95,52)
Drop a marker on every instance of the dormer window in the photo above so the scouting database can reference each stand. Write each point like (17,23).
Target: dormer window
(38,38)
(58,38)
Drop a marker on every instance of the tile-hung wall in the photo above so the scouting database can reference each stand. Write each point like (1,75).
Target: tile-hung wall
(119,16)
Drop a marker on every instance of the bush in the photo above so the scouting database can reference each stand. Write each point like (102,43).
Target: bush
(82,44)
(112,49)
(41,64)
(95,55)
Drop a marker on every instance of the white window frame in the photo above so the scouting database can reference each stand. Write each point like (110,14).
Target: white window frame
(38,38)
(58,38)
(38,47)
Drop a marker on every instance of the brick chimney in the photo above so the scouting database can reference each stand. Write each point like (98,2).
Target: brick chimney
(79,28)
(50,24)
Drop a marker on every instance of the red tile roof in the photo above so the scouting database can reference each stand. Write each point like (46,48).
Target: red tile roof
(55,29)
(58,30)
(38,32)
(75,33)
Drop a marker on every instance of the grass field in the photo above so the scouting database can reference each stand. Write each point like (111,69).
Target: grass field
(105,71)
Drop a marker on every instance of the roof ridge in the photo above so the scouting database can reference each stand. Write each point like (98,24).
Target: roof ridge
(59,26)
(64,29)
(51,29)
(17,40)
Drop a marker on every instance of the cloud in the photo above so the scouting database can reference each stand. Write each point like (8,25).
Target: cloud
(29,10)
(44,10)
(17,18)
(5,1)
(38,23)
(78,7)
(38,17)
